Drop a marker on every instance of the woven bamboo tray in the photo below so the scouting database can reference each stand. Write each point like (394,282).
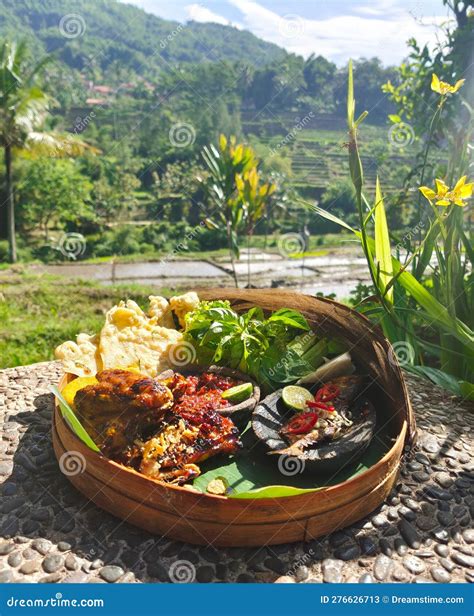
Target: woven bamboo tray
(188,515)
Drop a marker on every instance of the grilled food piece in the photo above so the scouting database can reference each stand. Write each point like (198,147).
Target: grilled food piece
(122,407)
(185,439)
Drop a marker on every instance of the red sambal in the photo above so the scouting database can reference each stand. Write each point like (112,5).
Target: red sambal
(197,394)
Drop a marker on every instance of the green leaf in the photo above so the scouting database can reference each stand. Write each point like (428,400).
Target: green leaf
(72,421)
(289,317)
(332,218)
(436,312)
(383,253)
(467,390)
(361,118)
(438,377)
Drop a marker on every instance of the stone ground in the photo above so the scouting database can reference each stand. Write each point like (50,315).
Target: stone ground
(51,533)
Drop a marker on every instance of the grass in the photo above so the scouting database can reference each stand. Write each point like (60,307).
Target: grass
(39,312)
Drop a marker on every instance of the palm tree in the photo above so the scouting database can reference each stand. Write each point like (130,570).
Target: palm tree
(23,110)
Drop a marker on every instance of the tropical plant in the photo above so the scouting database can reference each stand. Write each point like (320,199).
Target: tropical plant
(253,196)
(23,110)
(428,311)
(236,191)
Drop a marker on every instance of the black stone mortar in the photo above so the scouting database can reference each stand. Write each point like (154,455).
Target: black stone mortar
(272,414)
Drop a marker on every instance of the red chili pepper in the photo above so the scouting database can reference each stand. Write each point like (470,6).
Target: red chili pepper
(302,423)
(317,405)
(327,392)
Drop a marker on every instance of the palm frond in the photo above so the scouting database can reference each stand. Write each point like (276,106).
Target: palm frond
(54,144)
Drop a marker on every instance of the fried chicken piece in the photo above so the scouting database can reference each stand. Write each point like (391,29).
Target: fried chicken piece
(122,407)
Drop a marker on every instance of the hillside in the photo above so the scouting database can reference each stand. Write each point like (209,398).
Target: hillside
(95,35)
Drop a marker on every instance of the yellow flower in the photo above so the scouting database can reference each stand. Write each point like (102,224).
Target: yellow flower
(443,88)
(444,196)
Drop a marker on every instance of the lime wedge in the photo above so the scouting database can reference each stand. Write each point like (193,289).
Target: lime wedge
(296,397)
(239,393)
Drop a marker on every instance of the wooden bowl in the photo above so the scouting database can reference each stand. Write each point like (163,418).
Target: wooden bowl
(188,515)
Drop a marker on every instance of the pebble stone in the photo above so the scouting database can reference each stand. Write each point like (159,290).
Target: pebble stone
(409,533)
(399,574)
(382,567)
(332,570)
(414,565)
(440,575)
(14,559)
(423,533)
(442,550)
(52,563)
(205,574)
(30,566)
(462,559)
(43,546)
(468,535)
(111,573)
(301,573)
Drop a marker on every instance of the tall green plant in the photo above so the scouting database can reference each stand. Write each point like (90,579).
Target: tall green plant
(408,303)
(236,190)
(23,110)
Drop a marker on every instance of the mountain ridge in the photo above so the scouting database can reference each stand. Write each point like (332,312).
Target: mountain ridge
(88,34)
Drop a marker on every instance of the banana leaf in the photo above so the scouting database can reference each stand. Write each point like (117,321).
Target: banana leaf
(72,421)
(255,474)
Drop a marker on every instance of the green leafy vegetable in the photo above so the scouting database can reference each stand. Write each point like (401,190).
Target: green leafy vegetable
(276,350)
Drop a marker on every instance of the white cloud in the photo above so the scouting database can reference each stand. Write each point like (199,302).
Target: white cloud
(198,12)
(384,34)
(372,28)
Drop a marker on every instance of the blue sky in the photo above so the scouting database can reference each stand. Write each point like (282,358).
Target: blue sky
(337,29)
